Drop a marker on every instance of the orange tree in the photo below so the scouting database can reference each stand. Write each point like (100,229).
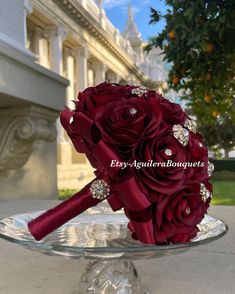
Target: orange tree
(198,41)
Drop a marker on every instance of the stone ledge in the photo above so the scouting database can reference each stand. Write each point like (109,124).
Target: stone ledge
(28,82)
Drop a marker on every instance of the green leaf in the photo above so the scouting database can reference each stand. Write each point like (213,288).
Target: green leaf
(154,16)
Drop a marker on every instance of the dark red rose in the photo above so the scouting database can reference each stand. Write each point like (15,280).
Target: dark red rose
(198,154)
(124,123)
(162,178)
(172,113)
(177,215)
(93,97)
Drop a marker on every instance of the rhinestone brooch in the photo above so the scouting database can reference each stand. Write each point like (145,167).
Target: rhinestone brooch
(132,111)
(191,125)
(188,210)
(139,91)
(211,167)
(204,193)
(168,152)
(99,189)
(181,134)
(71,120)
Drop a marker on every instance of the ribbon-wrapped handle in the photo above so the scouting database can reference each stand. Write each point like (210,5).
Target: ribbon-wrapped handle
(54,218)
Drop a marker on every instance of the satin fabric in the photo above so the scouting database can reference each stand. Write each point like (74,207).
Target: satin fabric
(125,191)
(62,213)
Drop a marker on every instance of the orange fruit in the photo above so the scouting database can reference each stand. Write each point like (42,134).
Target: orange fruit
(171,35)
(214,113)
(207,98)
(209,48)
(175,80)
(207,76)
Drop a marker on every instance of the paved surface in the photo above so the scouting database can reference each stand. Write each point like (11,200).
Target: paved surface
(205,269)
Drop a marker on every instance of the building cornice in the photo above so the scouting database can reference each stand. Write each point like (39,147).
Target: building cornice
(77,12)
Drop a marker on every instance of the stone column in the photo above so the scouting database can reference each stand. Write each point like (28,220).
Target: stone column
(57,36)
(82,54)
(100,70)
(36,42)
(64,147)
(70,75)
(40,46)
(91,77)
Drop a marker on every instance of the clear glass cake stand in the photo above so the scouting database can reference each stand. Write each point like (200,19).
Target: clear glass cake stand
(102,237)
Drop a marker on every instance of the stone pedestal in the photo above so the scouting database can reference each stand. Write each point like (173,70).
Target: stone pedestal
(27,153)
(31,98)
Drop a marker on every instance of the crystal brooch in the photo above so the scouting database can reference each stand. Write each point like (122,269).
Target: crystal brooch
(191,125)
(168,152)
(132,111)
(139,91)
(99,189)
(188,210)
(181,134)
(205,194)
(211,167)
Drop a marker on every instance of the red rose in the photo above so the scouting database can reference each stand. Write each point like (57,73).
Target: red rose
(93,97)
(198,153)
(162,178)
(177,216)
(172,112)
(132,120)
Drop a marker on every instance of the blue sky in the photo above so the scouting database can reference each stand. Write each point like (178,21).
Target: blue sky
(116,11)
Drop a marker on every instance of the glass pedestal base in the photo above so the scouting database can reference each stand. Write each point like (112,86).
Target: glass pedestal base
(110,277)
(102,237)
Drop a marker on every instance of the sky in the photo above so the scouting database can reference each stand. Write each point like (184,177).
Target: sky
(116,10)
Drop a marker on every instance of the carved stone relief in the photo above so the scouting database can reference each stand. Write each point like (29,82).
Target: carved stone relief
(20,128)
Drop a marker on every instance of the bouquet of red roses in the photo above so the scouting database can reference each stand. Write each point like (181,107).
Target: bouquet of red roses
(149,160)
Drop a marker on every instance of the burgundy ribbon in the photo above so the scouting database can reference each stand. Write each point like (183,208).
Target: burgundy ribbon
(62,213)
(125,190)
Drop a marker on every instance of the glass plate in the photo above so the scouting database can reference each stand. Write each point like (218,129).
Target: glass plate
(100,233)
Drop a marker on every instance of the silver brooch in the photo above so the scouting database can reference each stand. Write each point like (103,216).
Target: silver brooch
(188,210)
(211,167)
(204,193)
(191,125)
(181,134)
(139,91)
(99,189)
(168,152)
(132,111)
(71,120)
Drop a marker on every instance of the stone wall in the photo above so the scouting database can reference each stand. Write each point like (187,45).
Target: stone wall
(31,98)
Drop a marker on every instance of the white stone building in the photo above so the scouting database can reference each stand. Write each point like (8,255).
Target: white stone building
(74,39)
